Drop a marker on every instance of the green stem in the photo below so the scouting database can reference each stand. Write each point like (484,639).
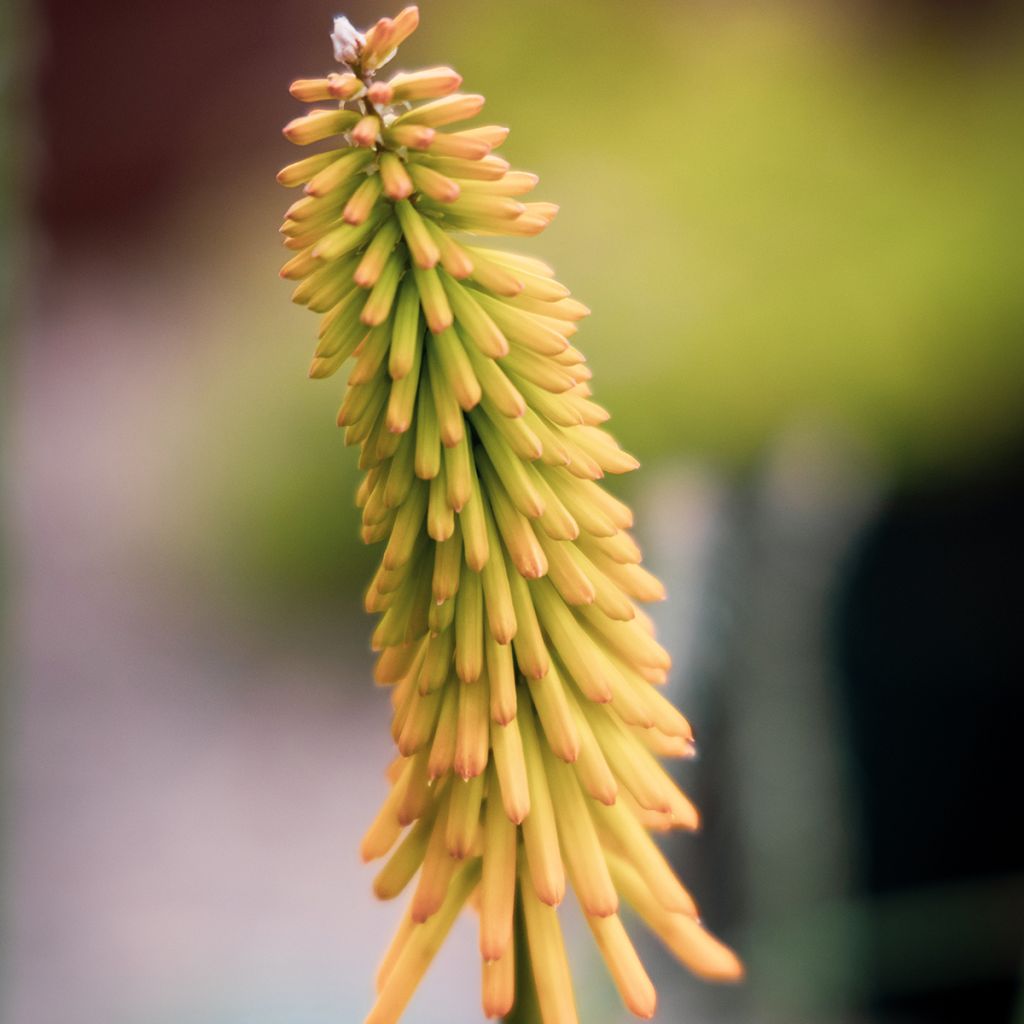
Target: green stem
(527,1006)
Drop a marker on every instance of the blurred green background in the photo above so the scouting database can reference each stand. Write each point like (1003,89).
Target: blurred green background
(797,225)
(778,213)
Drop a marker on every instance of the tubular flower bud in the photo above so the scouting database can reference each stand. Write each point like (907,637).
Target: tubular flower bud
(430,84)
(522,669)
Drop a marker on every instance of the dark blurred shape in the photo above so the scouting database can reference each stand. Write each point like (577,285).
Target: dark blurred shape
(950,18)
(932,665)
(129,97)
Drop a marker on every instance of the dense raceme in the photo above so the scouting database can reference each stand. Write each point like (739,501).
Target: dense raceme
(523,673)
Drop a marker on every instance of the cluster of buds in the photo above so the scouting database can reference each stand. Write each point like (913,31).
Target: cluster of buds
(365,53)
(524,674)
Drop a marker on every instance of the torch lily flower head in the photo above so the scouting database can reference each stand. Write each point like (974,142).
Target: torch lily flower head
(523,673)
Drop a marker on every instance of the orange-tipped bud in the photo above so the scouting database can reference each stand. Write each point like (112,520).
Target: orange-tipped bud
(406,22)
(365,132)
(378,43)
(434,184)
(414,136)
(459,146)
(430,84)
(444,111)
(310,90)
(380,93)
(394,177)
(344,87)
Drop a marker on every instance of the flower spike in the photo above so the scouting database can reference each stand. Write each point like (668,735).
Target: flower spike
(522,669)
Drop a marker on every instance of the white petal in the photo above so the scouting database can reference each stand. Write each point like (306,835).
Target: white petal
(346,39)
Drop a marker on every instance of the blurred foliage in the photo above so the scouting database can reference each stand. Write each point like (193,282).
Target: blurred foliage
(775,215)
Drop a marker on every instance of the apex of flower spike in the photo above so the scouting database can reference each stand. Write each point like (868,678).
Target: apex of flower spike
(347,40)
(374,48)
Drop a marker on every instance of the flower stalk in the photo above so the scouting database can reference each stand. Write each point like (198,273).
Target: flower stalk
(524,674)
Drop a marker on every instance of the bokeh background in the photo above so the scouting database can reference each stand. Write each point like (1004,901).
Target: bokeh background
(799,228)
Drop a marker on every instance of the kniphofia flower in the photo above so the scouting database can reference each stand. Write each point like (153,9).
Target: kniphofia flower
(524,674)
